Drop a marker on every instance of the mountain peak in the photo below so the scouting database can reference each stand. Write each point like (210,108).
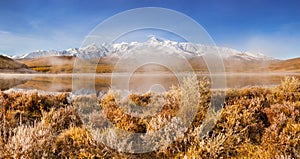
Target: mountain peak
(153,39)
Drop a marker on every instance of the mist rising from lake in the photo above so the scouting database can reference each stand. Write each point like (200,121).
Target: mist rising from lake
(140,82)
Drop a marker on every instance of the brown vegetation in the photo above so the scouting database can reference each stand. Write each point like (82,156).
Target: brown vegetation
(290,65)
(254,123)
(65,64)
(9,65)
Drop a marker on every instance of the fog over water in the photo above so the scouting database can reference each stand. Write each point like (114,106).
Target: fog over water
(140,82)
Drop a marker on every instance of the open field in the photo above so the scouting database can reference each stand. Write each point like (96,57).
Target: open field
(255,122)
(65,64)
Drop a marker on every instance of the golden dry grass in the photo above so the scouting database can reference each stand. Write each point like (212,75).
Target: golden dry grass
(254,123)
(65,64)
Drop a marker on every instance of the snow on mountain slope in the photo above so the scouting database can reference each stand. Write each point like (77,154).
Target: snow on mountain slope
(91,51)
(183,48)
(40,53)
(5,55)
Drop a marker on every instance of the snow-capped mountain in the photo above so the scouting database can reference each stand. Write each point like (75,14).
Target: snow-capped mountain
(40,53)
(183,48)
(5,55)
(91,51)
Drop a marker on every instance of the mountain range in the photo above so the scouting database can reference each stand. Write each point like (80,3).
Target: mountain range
(184,48)
(107,55)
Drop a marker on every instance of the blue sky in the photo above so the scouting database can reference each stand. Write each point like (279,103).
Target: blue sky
(271,27)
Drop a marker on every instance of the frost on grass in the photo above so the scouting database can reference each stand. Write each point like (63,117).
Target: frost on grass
(254,123)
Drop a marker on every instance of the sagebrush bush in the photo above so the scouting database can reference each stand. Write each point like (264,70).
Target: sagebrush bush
(26,108)
(77,142)
(254,123)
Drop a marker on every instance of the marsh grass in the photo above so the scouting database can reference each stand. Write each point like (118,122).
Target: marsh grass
(254,123)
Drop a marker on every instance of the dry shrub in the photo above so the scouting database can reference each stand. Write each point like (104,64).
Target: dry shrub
(26,108)
(254,123)
(86,104)
(30,122)
(169,109)
(29,142)
(283,134)
(76,142)
(140,100)
(288,90)
(115,115)
(61,119)
(208,147)
(242,121)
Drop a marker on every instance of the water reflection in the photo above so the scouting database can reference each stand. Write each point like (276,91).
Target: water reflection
(63,82)
(7,83)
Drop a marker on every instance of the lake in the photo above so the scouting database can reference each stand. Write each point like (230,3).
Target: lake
(135,82)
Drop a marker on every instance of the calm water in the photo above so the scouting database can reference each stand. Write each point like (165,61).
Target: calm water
(136,82)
